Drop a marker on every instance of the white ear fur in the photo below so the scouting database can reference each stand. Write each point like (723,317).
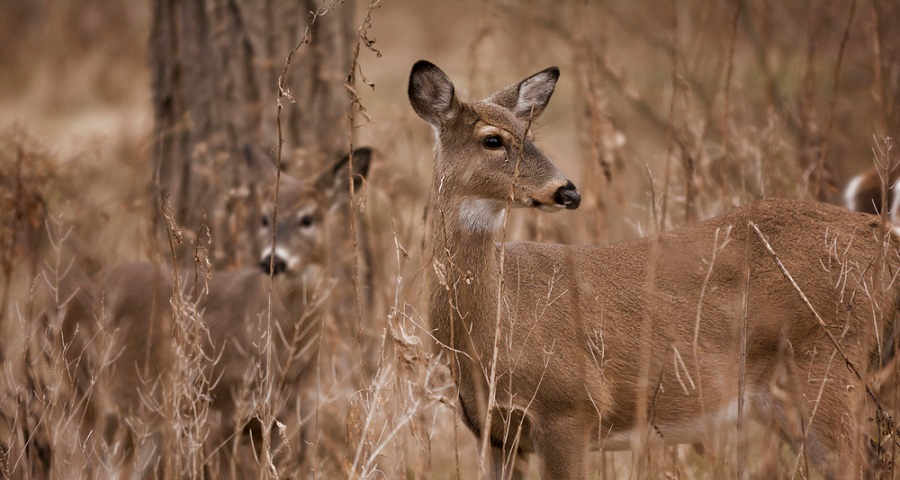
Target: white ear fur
(535,92)
(530,96)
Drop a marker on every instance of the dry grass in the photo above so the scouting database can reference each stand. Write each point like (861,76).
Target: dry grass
(663,115)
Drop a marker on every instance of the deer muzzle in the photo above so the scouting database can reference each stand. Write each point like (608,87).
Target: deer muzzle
(567,196)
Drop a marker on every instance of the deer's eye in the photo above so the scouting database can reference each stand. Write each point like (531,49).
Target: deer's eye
(264,221)
(492,142)
(306,220)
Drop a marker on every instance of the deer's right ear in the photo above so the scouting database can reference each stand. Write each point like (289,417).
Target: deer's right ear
(529,97)
(431,93)
(335,181)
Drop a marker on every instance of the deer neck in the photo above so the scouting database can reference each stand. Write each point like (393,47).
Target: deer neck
(467,232)
(466,267)
(291,294)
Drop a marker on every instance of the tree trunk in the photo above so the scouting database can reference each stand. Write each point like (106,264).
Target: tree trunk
(215,67)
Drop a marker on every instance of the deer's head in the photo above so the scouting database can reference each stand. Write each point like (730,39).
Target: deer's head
(484,152)
(304,208)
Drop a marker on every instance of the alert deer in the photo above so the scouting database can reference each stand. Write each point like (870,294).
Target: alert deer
(623,339)
(137,309)
(863,193)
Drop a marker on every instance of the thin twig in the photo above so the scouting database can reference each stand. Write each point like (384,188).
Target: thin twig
(695,344)
(742,361)
(284,94)
(354,107)
(820,167)
(726,109)
(492,380)
(671,141)
(801,452)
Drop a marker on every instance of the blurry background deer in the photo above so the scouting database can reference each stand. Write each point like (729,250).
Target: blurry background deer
(148,132)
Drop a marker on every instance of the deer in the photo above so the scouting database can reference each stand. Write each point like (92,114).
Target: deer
(557,350)
(233,306)
(863,193)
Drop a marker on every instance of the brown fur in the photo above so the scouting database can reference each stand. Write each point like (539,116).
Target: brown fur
(558,299)
(138,316)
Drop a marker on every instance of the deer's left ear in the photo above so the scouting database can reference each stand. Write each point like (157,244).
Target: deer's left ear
(335,180)
(530,95)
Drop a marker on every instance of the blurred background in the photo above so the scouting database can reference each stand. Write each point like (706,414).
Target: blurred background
(740,100)
(666,113)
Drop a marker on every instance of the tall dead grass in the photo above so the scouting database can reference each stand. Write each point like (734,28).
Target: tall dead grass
(718,92)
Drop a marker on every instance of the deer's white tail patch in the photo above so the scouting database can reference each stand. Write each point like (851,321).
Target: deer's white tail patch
(851,191)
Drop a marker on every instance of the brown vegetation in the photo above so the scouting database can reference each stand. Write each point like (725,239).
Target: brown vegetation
(665,114)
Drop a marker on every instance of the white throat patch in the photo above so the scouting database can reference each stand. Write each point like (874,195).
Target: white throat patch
(480,215)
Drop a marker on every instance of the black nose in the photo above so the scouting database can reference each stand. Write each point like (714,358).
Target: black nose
(567,196)
(278,265)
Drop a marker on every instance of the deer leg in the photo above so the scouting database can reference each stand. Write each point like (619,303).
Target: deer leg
(838,448)
(846,441)
(562,444)
(503,471)
(828,439)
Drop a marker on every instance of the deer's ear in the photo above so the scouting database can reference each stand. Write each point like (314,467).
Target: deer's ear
(335,180)
(431,93)
(530,95)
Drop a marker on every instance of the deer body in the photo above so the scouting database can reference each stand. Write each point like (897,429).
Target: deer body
(234,313)
(560,297)
(601,339)
(235,309)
